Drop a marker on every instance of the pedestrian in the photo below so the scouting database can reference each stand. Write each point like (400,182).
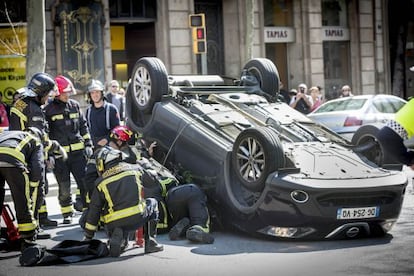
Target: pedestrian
(285,95)
(27,112)
(117,199)
(22,167)
(68,126)
(101,115)
(345,91)
(316,97)
(391,137)
(4,113)
(301,101)
(114,97)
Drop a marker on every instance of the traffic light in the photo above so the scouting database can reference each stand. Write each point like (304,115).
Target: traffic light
(197,23)
(197,20)
(199,40)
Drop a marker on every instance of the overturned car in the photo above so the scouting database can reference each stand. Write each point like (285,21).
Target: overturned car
(267,169)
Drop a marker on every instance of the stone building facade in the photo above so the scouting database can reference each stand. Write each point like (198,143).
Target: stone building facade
(318,42)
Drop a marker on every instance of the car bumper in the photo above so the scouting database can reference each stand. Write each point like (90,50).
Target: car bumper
(293,210)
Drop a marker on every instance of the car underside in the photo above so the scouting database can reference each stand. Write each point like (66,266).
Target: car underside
(267,169)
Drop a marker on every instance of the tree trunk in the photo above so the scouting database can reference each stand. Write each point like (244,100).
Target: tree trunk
(36,38)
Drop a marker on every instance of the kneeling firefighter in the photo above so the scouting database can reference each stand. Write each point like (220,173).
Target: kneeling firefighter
(118,199)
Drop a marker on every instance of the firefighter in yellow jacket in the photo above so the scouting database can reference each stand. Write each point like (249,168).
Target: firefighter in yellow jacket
(118,199)
(22,167)
(27,112)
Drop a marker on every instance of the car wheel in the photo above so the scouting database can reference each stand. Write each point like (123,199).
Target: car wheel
(265,71)
(149,81)
(367,144)
(256,153)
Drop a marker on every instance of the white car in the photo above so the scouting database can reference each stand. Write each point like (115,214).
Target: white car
(345,115)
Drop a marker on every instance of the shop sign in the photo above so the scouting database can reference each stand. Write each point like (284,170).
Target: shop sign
(13,49)
(279,34)
(334,33)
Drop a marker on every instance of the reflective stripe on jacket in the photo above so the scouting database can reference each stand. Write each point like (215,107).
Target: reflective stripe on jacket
(117,197)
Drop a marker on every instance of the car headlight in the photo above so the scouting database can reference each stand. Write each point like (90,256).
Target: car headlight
(287,232)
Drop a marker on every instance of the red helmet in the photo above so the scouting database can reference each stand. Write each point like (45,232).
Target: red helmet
(64,85)
(121,133)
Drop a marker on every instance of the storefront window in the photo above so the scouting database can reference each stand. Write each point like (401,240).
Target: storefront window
(336,53)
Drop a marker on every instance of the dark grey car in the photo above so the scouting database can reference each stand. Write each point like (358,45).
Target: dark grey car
(266,168)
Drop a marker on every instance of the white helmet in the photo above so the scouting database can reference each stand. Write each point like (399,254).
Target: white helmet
(96,85)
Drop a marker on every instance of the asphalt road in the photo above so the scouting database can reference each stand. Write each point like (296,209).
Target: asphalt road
(236,254)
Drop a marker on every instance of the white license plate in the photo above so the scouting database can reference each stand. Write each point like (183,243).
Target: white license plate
(357,213)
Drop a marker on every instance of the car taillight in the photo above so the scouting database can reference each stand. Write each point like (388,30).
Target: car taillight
(352,121)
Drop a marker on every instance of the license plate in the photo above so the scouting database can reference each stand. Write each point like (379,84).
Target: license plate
(357,213)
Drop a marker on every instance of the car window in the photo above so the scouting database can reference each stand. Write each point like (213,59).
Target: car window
(348,104)
(388,105)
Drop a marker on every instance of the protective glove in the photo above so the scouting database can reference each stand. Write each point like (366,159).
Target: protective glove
(56,150)
(50,163)
(88,151)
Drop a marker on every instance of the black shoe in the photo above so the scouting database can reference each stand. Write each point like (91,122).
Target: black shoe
(152,246)
(179,229)
(67,220)
(41,234)
(116,242)
(196,233)
(46,222)
(78,205)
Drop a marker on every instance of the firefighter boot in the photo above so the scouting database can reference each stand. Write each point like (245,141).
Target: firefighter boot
(150,231)
(115,242)
(179,229)
(198,234)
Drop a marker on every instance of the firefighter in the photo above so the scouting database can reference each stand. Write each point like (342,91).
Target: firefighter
(181,205)
(156,179)
(22,167)
(101,115)
(117,198)
(27,112)
(68,126)
(187,206)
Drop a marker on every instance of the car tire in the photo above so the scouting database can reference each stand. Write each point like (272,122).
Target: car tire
(367,144)
(256,153)
(149,82)
(265,71)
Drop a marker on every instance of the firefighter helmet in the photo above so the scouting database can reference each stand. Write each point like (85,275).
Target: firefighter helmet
(41,84)
(96,85)
(107,157)
(64,85)
(121,133)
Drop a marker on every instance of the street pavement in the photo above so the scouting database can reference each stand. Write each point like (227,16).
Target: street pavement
(238,254)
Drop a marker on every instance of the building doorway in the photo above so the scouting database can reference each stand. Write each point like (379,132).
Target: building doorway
(139,41)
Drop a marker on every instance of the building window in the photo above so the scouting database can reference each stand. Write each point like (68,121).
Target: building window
(336,47)
(279,31)
(334,13)
(127,9)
